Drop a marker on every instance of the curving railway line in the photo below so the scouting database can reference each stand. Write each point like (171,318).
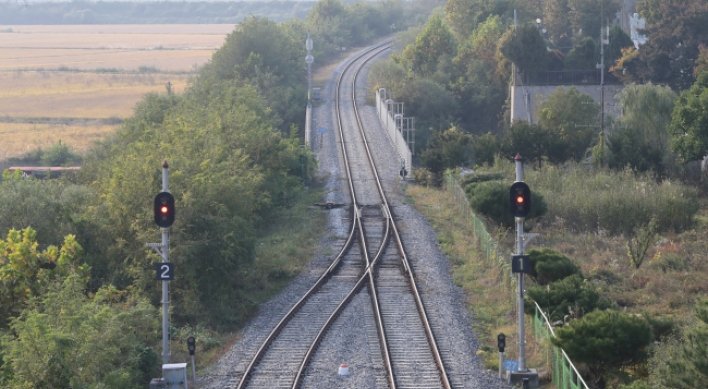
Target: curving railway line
(372,264)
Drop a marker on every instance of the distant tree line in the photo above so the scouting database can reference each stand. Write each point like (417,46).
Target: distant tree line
(453,75)
(150,12)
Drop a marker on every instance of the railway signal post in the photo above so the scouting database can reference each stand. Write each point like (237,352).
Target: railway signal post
(520,206)
(164,210)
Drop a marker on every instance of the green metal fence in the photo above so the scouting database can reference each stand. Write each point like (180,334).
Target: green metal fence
(563,374)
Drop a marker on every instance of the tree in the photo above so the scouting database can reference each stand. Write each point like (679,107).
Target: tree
(485,148)
(529,140)
(525,48)
(434,42)
(689,122)
(52,208)
(434,106)
(465,15)
(230,169)
(447,149)
(605,341)
(675,30)
(570,117)
(569,296)
(641,138)
(66,339)
(476,81)
(59,154)
(586,17)
(26,272)
(619,40)
(549,266)
(582,56)
(556,18)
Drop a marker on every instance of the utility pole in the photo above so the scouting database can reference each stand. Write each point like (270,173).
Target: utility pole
(164,217)
(309,59)
(601,66)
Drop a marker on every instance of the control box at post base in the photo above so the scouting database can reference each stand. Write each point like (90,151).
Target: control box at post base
(175,375)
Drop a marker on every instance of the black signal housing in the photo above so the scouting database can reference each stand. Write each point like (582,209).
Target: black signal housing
(164,209)
(520,199)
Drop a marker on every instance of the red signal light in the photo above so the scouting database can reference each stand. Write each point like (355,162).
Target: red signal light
(520,199)
(164,210)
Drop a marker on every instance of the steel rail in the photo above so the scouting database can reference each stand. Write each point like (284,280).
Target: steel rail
(368,274)
(406,264)
(320,281)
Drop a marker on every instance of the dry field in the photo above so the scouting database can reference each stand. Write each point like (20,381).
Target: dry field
(19,138)
(34,82)
(78,95)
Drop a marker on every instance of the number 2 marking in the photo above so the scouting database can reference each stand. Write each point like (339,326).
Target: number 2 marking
(165,271)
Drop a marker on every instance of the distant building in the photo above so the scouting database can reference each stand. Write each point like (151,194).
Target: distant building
(637,23)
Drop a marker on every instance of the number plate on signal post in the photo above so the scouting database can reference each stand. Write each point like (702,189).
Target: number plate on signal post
(165,271)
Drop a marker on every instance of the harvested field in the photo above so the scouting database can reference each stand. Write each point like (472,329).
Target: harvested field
(78,95)
(12,59)
(63,82)
(191,29)
(19,138)
(127,47)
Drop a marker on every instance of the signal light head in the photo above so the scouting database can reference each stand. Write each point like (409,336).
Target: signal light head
(520,199)
(164,209)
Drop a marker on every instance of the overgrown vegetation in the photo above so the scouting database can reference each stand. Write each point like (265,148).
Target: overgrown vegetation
(242,184)
(621,324)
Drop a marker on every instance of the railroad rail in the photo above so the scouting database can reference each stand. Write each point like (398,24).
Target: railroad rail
(409,354)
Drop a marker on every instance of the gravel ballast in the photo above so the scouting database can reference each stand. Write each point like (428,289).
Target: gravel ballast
(352,338)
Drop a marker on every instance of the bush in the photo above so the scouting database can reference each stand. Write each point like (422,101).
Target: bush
(549,266)
(687,365)
(480,177)
(668,261)
(67,339)
(570,296)
(615,201)
(491,199)
(605,341)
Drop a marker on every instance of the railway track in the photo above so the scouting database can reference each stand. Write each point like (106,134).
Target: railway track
(371,265)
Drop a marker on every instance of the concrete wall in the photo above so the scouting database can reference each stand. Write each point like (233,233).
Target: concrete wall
(531,96)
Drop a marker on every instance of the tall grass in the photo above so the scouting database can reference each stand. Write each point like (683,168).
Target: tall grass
(617,202)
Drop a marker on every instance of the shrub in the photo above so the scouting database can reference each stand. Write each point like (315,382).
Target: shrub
(569,296)
(68,339)
(615,201)
(549,266)
(605,341)
(687,366)
(491,199)
(480,177)
(668,261)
